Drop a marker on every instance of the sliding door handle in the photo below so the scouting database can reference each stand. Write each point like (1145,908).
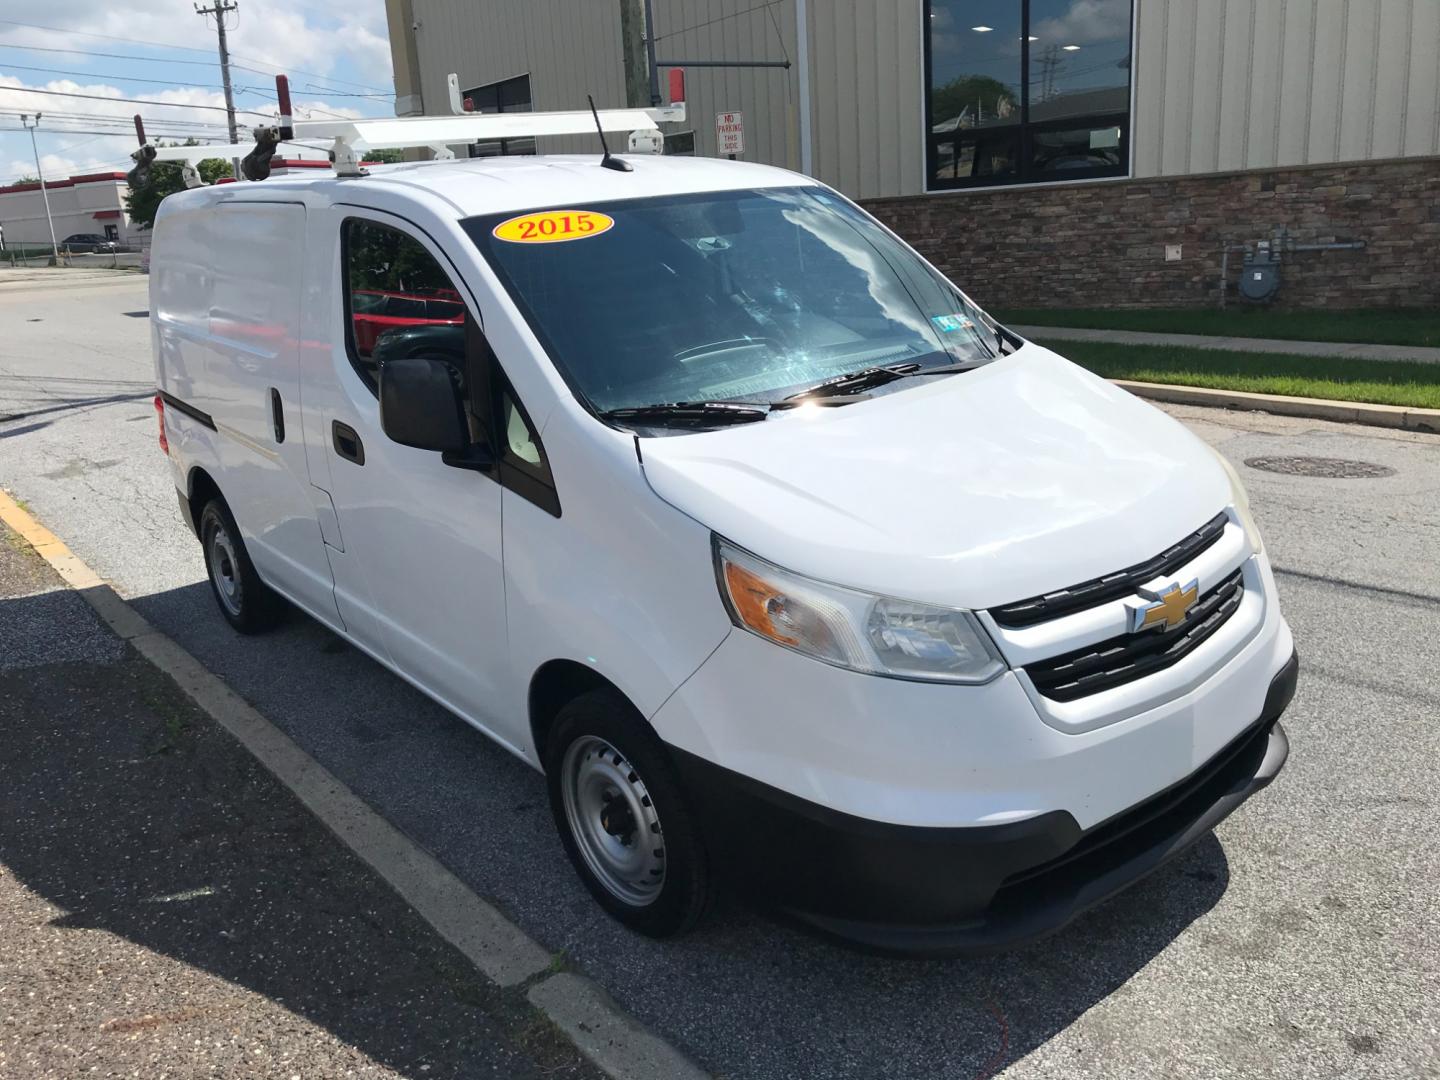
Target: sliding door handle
(347,442)
(277,415)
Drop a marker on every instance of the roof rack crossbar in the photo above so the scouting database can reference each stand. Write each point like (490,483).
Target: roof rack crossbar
(348,139)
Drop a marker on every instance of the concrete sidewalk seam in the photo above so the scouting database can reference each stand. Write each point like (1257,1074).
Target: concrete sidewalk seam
(1348,412)
(600,1029)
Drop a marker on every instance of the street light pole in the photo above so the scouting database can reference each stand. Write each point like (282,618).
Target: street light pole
(40,174)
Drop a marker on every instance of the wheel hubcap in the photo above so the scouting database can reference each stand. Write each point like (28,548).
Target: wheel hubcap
(613,821)
(224,571)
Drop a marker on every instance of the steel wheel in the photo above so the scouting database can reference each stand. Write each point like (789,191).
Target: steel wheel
(225,570)
(613,821)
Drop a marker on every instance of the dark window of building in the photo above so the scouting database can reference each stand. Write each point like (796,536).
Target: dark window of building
(1026,91)
(511,95)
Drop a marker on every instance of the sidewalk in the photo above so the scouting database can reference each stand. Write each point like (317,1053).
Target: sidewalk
(168,908)
(1419,354)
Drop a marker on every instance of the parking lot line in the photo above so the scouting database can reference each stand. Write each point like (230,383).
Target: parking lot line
(601,1030)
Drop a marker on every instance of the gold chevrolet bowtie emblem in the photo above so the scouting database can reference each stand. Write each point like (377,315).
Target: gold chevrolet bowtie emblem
(1167,607)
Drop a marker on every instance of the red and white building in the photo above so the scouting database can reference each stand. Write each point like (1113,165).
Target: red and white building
(93,203)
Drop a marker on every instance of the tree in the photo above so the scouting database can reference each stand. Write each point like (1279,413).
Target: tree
(385,157)
(987,99)
(28,179)
(165,179)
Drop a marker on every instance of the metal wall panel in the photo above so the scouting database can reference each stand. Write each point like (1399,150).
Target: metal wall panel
(1219,84)
(735,31)
(569,48)
(1246,84)
(866,69)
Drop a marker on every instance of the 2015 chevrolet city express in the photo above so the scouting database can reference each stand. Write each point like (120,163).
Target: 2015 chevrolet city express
(699,490)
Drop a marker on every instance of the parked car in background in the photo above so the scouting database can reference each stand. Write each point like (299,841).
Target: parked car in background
(376,313)
(94,243)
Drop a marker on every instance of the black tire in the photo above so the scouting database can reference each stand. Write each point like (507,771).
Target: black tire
(248,604)
(684,889)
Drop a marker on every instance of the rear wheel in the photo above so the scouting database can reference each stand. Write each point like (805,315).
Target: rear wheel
(247,603)
(622,818)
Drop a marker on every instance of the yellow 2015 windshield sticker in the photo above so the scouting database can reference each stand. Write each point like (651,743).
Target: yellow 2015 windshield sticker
(552,226)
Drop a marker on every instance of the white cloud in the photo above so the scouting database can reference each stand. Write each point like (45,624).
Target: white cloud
(277,33)
(1086,22)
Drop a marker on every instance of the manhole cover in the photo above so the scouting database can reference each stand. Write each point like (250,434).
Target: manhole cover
(1334,468)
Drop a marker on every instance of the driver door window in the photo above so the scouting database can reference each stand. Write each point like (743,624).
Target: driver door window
(398,300)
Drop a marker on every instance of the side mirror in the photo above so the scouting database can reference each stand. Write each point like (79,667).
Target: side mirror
(421,406)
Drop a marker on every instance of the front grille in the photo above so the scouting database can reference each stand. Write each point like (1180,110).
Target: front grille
(1133,656)
(1099,590)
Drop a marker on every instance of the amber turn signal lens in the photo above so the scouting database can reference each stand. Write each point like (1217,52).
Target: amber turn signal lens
(752,597)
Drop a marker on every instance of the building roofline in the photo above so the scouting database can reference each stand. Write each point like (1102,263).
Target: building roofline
(87,178)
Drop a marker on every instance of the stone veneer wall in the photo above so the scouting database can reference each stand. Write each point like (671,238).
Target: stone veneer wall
(1103,244)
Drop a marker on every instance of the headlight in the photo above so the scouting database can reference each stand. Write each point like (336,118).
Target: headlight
(1241,502)
(850,629)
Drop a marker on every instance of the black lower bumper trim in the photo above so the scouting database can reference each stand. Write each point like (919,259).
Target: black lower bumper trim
(949,891)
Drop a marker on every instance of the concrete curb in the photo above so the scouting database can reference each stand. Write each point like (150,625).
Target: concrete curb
(1414,354)
(600,1029)
(1347,412)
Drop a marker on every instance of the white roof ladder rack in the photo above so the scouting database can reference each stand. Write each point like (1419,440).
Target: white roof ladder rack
(349,139)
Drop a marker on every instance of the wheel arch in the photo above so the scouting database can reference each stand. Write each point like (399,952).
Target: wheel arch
(554,685)
(200,488)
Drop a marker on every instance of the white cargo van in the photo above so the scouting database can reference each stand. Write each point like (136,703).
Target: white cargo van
(697,489)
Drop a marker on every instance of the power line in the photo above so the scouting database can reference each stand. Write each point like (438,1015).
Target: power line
(721,18)
(130,101)
(107,55)
(109,78)
(120,133)
(78,117)
(275,68)
(379,94)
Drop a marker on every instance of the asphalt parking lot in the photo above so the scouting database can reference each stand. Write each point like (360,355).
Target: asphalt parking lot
(1297,942)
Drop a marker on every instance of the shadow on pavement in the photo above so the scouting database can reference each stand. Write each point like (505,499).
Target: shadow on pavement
(123,806)
(745,995)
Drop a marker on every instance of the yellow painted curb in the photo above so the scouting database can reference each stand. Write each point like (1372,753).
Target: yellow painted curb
(47,545)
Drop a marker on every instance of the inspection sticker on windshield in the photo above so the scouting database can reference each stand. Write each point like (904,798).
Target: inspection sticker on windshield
(551,226)
(951,324)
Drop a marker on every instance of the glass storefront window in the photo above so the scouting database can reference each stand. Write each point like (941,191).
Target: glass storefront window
(1026,91)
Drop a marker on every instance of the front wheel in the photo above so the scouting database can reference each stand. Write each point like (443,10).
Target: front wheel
(247,603)
(625,825)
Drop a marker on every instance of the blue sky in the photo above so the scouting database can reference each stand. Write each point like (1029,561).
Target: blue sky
(337,57)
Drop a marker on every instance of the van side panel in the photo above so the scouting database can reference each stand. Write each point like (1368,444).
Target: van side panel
(225,302)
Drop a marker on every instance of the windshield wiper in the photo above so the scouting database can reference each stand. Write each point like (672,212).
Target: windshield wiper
(856,381)
(689,412)
(866,378)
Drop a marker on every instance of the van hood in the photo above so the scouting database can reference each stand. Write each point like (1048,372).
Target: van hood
(972,490)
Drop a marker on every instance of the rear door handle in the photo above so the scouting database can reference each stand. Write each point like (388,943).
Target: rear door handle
(347,443)
(277,414)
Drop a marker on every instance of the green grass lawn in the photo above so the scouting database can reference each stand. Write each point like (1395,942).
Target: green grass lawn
(1385,382)
(1411,326)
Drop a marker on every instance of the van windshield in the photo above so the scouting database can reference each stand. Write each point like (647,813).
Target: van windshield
(743,296)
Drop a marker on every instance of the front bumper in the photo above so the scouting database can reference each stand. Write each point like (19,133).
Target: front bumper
(944,891)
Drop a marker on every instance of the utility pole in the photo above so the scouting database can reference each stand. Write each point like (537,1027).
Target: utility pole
(632,46)
(40,174)
(220,9)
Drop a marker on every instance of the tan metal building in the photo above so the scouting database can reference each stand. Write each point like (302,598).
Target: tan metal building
(892,99)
